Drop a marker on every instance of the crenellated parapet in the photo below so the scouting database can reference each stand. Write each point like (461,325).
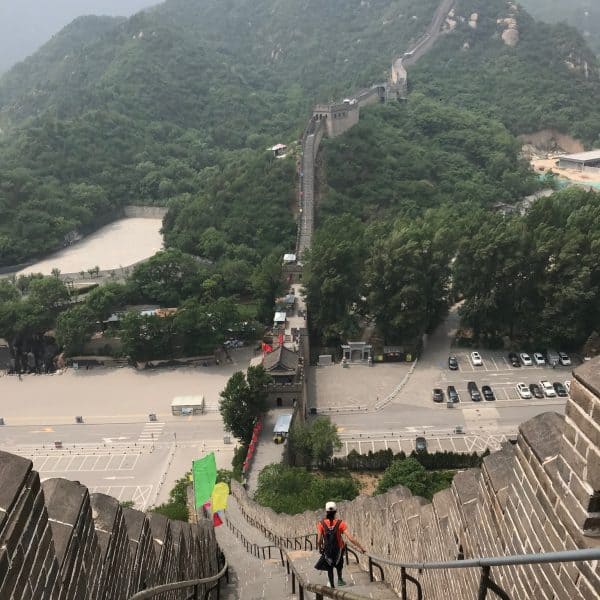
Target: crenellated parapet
(59,541)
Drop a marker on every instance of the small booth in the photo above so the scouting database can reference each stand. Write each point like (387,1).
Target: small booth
(187,405)
(282,428)
(280,318)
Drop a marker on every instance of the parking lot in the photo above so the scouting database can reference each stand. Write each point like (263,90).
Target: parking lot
(435,443)
(497,372)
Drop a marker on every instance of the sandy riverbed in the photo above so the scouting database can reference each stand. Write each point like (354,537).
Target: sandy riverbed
(118,244)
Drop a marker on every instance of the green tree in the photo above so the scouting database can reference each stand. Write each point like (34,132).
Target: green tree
(243,400)
(333,278)
(409,473)
(407,279)
(147,337)
(176,508)
(74,328)
(105,299)
(267,284)
(48,294)
(293,490)
(167,278)
(313,442)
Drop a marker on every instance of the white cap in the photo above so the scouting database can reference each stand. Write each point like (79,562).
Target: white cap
(330,507)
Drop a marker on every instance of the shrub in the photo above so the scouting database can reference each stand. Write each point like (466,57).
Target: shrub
(293,490)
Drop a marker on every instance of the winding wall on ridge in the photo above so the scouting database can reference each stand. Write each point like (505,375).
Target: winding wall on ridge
(335,119)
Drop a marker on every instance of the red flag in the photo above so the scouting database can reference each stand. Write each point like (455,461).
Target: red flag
(217,521)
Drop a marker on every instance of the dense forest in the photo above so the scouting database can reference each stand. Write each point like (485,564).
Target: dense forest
(140,110)
(546,81)
(583,14)
(28,24)
(407,226)
(176,106)
(114,112)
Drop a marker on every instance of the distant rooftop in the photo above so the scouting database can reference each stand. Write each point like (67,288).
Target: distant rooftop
(583,156)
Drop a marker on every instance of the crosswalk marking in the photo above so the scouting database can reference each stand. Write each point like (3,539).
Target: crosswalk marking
(151,432)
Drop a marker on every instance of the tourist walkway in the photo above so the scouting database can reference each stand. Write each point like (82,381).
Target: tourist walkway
(251,577)
(254,577)
(267,451)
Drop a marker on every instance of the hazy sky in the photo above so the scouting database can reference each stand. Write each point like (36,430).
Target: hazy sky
(27,24)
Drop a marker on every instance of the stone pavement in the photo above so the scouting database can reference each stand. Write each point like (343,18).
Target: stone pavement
(251,578)
(357,580)
(267,451)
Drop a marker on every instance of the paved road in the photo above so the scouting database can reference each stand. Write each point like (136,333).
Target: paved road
(131,461)
(413,412)
(116,450)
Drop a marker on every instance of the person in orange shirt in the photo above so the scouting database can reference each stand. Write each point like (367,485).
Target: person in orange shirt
(331,543)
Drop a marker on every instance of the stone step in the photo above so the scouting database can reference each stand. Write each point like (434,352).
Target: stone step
(357,580)
(251,578)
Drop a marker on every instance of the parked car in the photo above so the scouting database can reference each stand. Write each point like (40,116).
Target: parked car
(526,359)
(474,391)
(538,359)
(548,389)
(438,395)
(453,394)
(568,386)
(564,359)
(560,389)
(536,390)
(453,363)
(476,359)
(421,444)
(488,393)
(513,359)
(523,391)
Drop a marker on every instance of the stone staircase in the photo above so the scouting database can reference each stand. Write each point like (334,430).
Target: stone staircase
(253,577)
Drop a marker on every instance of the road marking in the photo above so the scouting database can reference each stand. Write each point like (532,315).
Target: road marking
(114,477)
(44,430)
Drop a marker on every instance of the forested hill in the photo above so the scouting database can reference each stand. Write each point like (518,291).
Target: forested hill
(259,63)
(583,14)
(529,75)
(156,108)
(28,24)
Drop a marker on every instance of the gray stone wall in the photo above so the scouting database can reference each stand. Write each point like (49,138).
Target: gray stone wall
(540,495)
(145,212)
(59,542)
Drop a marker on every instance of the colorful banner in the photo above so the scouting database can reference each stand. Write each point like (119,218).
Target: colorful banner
(219,497)
(205,476)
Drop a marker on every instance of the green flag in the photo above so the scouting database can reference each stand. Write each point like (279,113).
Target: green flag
(205,477)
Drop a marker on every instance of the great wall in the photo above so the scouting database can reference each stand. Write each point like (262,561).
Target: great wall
(528,502)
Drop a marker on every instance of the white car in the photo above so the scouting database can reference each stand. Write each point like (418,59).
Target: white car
(564,359)
(524,391)
(548,389)
(538,359)
(526,359)
(476,359)
(568,386)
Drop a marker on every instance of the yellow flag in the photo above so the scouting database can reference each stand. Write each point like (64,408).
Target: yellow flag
(219,497)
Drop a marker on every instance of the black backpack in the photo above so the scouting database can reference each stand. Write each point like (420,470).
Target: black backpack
(331,553)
